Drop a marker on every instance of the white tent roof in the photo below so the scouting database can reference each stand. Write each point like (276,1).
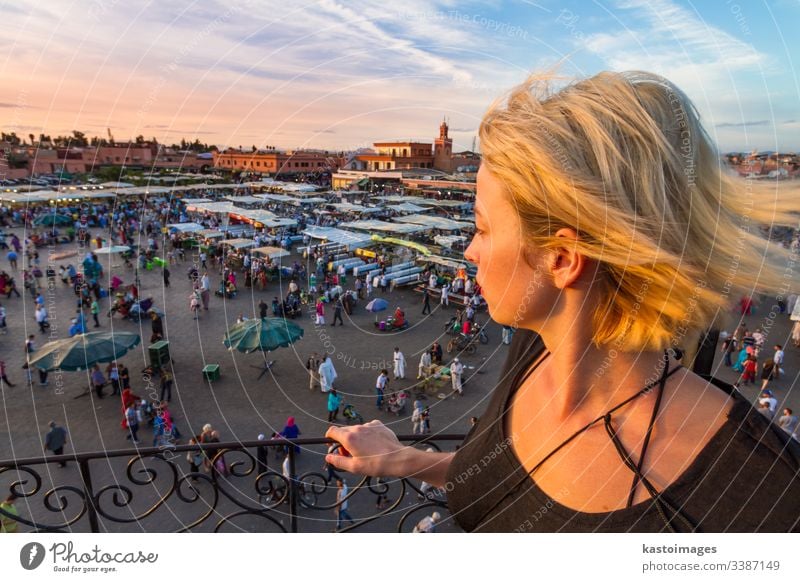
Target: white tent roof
(448,240)
(244,199)
(186,227)
(408,207)
(277,197)
(439,222)
(380,226)
(196,201)
(117,185)
(444,203)
(352,240)
(399,198)
(271,252)
(238,243)
(355,208)
(215,208)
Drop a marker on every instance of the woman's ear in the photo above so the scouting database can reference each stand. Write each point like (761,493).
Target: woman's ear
(564,262)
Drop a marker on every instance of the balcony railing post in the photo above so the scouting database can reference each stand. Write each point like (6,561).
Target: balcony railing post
(292,490)
(91,510)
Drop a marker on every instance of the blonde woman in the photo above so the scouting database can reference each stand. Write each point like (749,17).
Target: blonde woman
(609,234)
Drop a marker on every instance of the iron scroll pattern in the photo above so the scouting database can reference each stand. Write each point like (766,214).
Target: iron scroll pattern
(151,489)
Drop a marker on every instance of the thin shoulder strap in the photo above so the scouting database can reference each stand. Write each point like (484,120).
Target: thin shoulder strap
(637,473)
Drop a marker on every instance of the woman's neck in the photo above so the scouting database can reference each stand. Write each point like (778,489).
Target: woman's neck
(581,381)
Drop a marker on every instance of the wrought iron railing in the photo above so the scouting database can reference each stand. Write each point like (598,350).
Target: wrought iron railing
(237,488)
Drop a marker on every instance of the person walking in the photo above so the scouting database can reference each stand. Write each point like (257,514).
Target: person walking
(337,311)
(55,439)
(156,327)
(98,380)
(437,353)
(195,459)
(416,418)
(342,503)
(445,299)
(166,274)
(778,359)
(788,421)
(3,376)
(334,401)
(30,348)
(132,420)
(426,301)
(728,348)
(312,366)
(194,303)
(327,374)
(41,319)
(425,362)
(95,310)
(767,373)
(320,308)
(12,259)
(205,290)
(426,421)
(114,378)
(380,387)
(399,364)
(166,385)
(3,324)
(456,370)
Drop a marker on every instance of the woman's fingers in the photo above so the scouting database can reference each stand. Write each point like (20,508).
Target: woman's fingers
(348,464)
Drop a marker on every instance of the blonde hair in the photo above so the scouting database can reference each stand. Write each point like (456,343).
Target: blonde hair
(622,159)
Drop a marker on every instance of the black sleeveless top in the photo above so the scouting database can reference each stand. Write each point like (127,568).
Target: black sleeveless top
(746,478)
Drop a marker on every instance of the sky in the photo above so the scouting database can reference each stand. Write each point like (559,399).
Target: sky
(341,75)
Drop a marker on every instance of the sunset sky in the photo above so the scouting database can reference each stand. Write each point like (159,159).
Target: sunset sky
(340,75)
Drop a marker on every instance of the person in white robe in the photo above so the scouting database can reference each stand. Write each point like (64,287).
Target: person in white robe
(327,374)
(424,364)
(399,364)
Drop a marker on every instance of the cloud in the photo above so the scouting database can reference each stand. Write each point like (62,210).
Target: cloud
(323,131)
(744,123)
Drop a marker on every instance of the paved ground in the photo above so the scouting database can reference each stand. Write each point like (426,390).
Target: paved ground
(239,405)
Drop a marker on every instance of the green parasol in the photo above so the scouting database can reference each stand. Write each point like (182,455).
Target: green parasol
(263,335)
(83,351)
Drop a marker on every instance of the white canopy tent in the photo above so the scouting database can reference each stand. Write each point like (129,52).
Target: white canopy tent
(380,226)
(408,207)
(244,199)
(352,240)
(186,227)
(271,252)
(355,208)
(277,198)
(438,222)
(238,243)
(214,208)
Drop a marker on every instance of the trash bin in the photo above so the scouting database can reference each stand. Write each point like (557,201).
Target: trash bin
(211,372)
(159,354)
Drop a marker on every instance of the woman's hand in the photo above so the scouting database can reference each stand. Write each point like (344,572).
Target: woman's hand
(374,450)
